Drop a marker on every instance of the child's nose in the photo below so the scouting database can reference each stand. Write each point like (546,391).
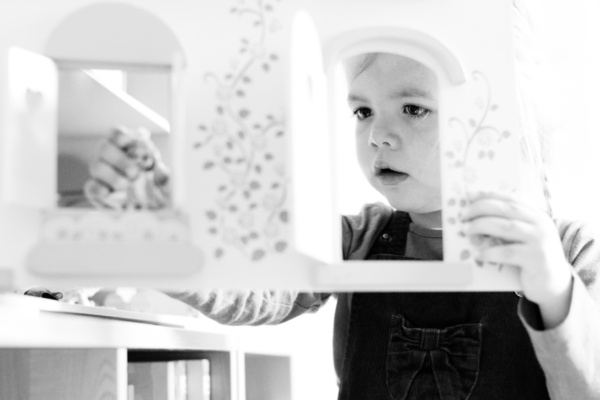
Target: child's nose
(384,134)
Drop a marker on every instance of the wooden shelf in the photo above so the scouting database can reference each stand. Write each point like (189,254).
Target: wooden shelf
(37,322)
(52,350)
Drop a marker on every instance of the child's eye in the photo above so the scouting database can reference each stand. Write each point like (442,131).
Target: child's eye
(415,111)
(362,113)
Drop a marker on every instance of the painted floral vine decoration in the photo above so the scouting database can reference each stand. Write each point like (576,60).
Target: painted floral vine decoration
(239,142)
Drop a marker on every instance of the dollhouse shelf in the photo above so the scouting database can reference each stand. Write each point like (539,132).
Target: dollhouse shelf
(53,350)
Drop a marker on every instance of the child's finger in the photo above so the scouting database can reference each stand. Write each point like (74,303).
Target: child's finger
(481,194)
(511,230)
(98,194)
(499,208)
(122,137)
(516,254)
(118,159)
(108,175)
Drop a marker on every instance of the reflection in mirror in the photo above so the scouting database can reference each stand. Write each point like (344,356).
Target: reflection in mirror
(95,100)
(115,86)
(390,103)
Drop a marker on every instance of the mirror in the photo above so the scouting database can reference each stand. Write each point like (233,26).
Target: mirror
(112,77)
(92,102)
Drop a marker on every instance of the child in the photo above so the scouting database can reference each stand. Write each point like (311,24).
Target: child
(443,345)
(543,343)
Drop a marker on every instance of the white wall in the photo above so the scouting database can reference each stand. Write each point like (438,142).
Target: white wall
(571,39)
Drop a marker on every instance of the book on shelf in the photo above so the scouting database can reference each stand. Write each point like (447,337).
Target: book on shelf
(169,380)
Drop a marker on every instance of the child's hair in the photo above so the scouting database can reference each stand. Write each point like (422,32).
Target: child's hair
(534,142)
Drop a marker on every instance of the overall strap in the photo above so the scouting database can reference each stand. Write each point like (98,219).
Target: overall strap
(392,239)
(393,236)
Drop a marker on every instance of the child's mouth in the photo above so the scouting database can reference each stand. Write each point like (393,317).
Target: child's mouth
(390,177)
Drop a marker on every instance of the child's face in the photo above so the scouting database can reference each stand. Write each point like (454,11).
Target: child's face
(394,100)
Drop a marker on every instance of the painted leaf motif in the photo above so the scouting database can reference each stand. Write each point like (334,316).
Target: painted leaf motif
(280,246)
(208,165)
(283,216)
(465,255)
(258,254)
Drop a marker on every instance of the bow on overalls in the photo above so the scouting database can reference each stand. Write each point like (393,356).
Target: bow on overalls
(450,354)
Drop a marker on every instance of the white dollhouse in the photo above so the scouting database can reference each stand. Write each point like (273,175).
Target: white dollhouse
(255,203)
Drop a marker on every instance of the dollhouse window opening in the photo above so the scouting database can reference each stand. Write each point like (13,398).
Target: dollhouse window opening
(351,193)
(137,92)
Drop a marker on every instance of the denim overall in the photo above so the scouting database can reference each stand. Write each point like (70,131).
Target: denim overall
(446,346)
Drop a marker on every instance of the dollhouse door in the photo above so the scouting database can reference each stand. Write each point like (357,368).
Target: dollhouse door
(315,227)
(29,163)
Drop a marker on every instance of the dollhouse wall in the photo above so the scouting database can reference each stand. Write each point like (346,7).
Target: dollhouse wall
(219,38)
(234,93)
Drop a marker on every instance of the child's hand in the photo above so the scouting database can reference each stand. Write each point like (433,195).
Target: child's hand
(528,240)
(128,173)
